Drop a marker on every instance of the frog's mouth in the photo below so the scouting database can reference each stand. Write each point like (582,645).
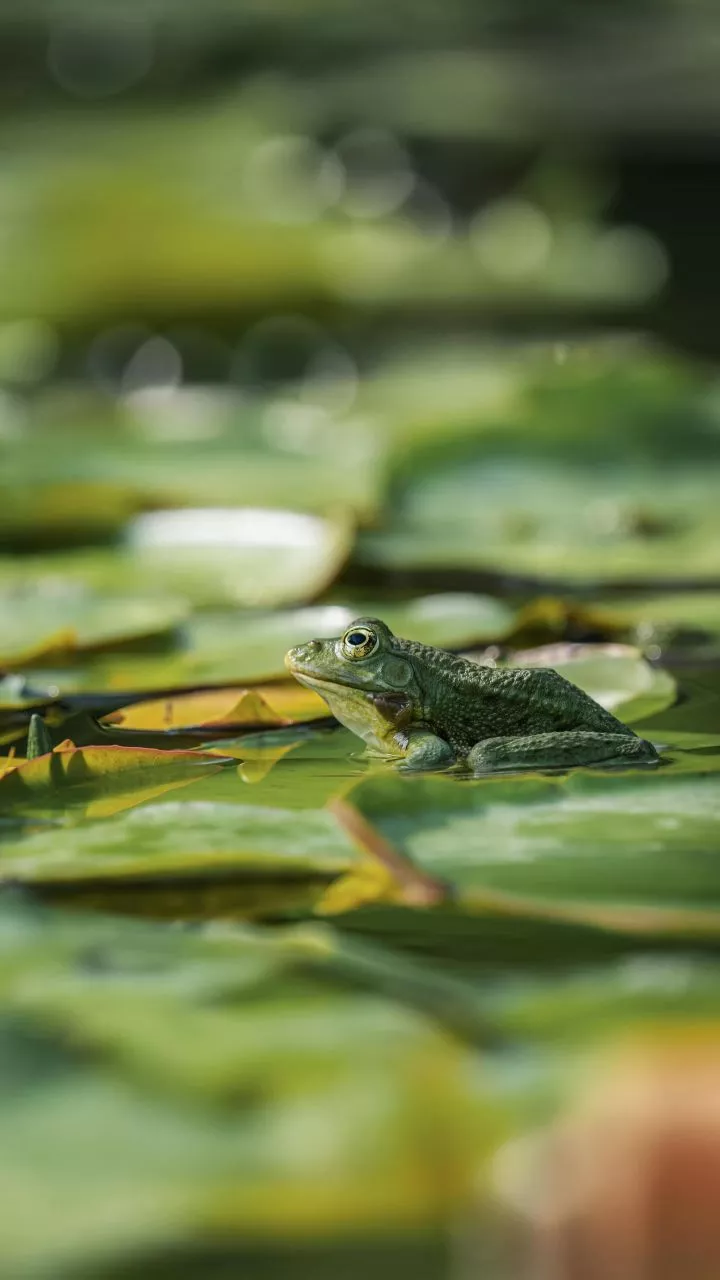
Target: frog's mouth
(320,682)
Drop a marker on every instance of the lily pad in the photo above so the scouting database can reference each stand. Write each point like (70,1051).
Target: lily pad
(519,489)
(627,994)
(213,556)
(204,447)
(659,619)
(219,1022)
(692,722)
(66,512)
(197,840)
(214,708)
(549,522)
(629,851)
(243,556)
(103,780)
(44,627)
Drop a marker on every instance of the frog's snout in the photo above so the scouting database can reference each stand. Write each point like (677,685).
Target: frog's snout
(299,657)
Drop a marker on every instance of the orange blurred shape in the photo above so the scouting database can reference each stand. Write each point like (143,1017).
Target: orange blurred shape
(627,1185)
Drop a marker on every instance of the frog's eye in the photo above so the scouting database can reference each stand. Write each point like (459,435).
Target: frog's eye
(359,642)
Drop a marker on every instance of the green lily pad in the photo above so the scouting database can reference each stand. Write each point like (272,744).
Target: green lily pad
(242,556)
(625,994)
(218,1055)
(250,845)
(640,849)
(692,722)
(67,512)
(200,859)
(43,626)
(519,489)
(658,619)
(565,523)
(446,618)
(52,501)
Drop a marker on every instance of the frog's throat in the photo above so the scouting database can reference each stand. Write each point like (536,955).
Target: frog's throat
(359,715)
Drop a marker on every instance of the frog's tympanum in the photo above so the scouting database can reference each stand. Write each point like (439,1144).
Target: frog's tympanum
(432,709)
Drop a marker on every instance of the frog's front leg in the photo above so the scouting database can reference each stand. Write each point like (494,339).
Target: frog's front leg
(426,751)
(565,750)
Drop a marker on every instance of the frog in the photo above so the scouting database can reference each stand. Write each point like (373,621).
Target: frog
(429,709)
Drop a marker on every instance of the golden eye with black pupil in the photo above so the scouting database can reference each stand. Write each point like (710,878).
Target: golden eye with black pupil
(359,642)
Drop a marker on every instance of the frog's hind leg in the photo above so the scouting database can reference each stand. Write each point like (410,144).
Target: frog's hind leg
(560,751)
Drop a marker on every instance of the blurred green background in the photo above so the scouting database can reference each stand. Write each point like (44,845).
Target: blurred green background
(309,310)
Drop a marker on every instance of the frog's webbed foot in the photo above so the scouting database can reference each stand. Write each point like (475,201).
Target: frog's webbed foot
(426,751)
(560,751)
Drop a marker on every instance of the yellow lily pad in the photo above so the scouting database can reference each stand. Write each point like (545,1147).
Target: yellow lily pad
(104,780)
(271,704)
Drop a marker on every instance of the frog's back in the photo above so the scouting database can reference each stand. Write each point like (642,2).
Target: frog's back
(465,703)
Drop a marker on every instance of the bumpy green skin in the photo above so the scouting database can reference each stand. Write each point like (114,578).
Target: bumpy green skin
(433,709)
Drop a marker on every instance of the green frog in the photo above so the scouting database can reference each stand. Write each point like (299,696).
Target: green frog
(431,709)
